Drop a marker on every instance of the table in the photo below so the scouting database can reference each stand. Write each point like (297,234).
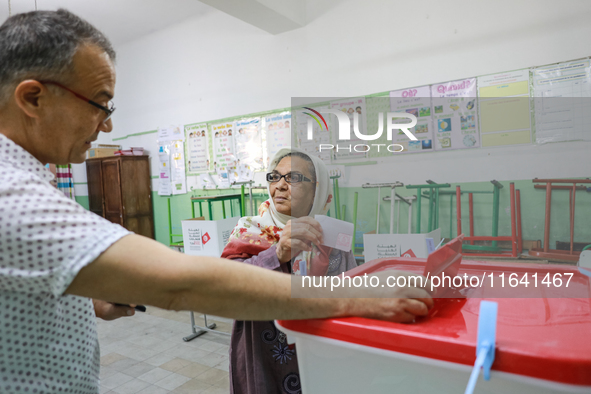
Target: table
(210,200)
(516,235)
(433,203)
(546,252)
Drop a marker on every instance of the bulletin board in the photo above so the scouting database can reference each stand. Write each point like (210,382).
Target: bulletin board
(537,105)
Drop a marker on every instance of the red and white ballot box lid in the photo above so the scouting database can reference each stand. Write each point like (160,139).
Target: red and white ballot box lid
(543,338)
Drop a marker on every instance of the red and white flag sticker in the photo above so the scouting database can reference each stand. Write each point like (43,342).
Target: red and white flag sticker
(336,233)
(344,242)
(205,238)
(409,253)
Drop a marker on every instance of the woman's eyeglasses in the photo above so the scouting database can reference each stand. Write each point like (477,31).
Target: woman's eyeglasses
(290,177)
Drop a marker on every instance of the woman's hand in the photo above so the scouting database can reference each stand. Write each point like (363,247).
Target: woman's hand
(297,235)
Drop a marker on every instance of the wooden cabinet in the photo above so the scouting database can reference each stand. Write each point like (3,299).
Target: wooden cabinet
(119,190)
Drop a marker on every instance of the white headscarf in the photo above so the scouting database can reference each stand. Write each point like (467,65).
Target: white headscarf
(321,203)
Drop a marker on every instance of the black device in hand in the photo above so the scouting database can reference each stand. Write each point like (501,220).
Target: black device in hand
(139,308)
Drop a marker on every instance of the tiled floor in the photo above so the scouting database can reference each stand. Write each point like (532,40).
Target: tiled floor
(146,354)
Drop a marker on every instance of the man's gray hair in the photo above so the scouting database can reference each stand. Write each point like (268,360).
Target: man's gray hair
(42,45)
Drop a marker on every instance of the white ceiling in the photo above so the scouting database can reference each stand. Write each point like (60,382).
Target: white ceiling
(121,20)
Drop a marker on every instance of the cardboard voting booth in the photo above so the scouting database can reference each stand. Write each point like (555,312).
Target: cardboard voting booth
(378,246)
(207,237)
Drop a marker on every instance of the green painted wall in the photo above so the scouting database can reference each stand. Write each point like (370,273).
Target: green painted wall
(82,200)
(532,211)
(181,209)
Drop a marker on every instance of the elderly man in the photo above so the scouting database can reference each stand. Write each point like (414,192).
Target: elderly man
(57,79)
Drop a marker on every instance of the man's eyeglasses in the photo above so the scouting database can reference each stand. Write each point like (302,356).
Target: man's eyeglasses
(108,110)
(290,177)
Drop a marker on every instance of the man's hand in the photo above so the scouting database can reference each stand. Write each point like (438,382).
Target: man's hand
(298,235)
(399,304)
(384,302)
(109,311)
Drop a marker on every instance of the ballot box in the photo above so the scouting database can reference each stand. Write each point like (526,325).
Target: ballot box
(542,345)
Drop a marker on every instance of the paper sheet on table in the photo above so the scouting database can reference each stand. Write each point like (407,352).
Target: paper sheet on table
(337,233)
(206,182)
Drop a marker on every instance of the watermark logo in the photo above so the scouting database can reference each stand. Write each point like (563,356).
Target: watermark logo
(316,119)
(345,124)
(402,121)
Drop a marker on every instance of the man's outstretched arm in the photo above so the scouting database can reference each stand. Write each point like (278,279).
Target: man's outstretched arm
(138,270)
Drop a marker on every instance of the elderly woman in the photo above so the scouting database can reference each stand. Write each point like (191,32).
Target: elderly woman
(285,237)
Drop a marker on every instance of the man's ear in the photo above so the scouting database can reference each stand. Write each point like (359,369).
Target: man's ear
(29,96)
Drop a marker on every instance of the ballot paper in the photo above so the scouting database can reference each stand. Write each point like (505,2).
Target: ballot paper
(337,233)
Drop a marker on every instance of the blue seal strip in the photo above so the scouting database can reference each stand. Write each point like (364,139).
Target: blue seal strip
(485,347)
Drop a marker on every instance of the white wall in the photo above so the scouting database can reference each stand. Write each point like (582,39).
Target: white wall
(216,66)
